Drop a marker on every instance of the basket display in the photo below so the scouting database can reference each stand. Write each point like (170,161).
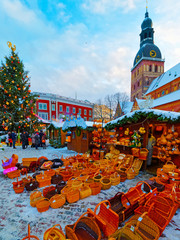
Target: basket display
(137,164)
(42,205)
(107,219)
(49,192)
(144,226)
(105,183)
(66,175)
(72,195)
(34,197)
(43,180)
(50,172)
(123,176)
(84,191)
(153,184)
(97,177)
(135,152)
(115,179)
(18,186)
(29,236)
(54,233)
(143,153)
(27,161)
(60,186)
(14,174)
(131,173)
(84,228)
(57,201)
(31,186)
(169,167)
(122,206)
(95,188)
(55,179)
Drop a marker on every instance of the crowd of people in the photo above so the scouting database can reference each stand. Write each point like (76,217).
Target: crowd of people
(38,139)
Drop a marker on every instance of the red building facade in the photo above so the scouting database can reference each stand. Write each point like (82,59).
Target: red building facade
(51,106)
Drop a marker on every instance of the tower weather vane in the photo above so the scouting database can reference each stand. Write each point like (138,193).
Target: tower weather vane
(13,47)
(146,5)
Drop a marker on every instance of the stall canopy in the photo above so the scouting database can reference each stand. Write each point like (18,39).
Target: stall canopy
(73,122)
(145,114)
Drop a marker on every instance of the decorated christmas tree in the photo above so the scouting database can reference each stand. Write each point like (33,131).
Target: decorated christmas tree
(17,104)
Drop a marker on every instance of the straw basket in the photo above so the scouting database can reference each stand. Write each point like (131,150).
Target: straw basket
(97,177)
(85,191)
(143,153)
(85,228)
(30,237)
(57,201)
(14,174)
(42,205)
(35,197)
(54,233)
(60,186)
(105,183)
(131,173)
(71,195)
(43,180)
(48,190)
(95,188)
(169,167)
(115,179)
(50,172)
(145,227)
(55,179)
(135,152)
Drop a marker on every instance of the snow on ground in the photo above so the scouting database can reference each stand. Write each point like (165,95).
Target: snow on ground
(16,212)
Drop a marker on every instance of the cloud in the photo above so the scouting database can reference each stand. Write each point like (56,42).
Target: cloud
(104,6)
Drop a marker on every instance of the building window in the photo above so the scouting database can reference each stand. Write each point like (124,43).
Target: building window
(73,135)
(149,34)
(162,93)
(156,68)
(53,107)
(67,109)
(89,112)
(84,136)
(150,68)
(60,108)
(85,111)
(60,116)
(43,115)
(74,110)
(145,35)
(167,91)
(85,118)
(79,110)
(134,86)
(42,106)
(175,87)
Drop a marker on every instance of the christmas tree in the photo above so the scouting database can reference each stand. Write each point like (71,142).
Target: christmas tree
(17,103)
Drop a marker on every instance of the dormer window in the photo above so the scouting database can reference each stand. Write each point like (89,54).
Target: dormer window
(150,68)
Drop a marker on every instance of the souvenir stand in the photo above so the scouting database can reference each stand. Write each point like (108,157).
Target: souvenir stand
(56,133)
(133,129)
(79,134)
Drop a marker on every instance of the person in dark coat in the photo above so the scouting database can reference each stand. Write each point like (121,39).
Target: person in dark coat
(27,141)
(23,140)
(37,140)
(10,139)
(14,137)
(40,136)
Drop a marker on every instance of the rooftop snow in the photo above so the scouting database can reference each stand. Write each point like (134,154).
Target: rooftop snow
(165,78)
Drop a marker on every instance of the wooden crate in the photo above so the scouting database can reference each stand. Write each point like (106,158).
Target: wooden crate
(27,161)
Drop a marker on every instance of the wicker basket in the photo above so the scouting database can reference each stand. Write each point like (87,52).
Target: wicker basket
(43,180)
(55,179)
(72,196)
(85,228)
(135,152)
(60,186)
(143,153)
(66,175)
(14,174)
(95,188)
(31,186)
(115,179)
(48,190)
(50,172)
(144,226)
(42,205)
(169,167)
(105,183)
(84,191)
(30,237)
(57,201)
(54,233)
(107,219)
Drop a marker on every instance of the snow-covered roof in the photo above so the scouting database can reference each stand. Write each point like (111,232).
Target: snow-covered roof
(158,114)
(165,78)
(126,106)
(70,123)
(171,97)
(57,124)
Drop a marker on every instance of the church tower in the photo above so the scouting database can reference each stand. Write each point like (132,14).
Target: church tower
(148,63)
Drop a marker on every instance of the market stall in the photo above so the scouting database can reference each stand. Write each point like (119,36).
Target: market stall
(134,131)
(79,134)
(56,135)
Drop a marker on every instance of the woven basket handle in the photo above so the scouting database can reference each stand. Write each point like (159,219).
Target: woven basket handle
(145,183)
(169,162)
(74,228)
(139,221)
(105,201)
(156,198)
(54,228)
(29,235)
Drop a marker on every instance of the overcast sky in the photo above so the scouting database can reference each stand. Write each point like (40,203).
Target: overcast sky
(85,47)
